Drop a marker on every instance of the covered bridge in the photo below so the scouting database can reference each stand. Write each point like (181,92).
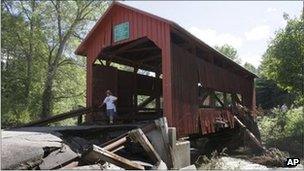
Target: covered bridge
(157,68)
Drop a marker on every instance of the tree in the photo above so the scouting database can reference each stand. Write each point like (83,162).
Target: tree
(67,23)
(40,73)
(283,61)
(269,95)
(250,68)
(229,51)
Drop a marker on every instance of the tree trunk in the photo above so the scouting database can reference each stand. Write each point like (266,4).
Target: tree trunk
(47,95)
(29,55)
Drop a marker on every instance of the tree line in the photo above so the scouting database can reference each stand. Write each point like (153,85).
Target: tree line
(40,73)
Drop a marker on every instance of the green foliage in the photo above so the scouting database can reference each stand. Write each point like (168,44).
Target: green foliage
(283,61)
(283,129)
(33,33)
(250,68)
(269,95)
(229,51)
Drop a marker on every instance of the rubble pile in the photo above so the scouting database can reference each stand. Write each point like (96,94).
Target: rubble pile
(150,146)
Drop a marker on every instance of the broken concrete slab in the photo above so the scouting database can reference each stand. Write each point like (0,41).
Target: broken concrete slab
(23,149)
(58,158)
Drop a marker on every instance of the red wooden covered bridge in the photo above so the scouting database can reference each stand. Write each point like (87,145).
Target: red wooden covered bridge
(156,68)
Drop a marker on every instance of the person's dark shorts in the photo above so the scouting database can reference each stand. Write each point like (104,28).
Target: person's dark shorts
(110,112)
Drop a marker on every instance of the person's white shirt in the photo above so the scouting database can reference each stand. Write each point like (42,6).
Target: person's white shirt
(109,101)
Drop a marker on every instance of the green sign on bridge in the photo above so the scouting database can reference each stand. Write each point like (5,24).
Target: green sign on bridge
(121,32)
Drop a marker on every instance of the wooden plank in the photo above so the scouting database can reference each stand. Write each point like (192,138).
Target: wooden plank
(97,153)
(137,135)
(107,145)
(59,117)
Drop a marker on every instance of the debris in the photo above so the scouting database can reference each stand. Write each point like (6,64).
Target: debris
(138,136)
(272,158)
(251,135)
(97,153)
(104,147)
(26,149)
(58,158)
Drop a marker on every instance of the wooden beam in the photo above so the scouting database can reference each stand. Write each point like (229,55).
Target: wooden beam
(149,58)
(59,117)
(218,99)
(137,135)
(251,135)
(133,63)
(130,45)
(97,153)
(235,98)
(116,143)
(147,101)
(140,49)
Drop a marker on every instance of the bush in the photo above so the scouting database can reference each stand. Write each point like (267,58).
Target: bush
(284,129)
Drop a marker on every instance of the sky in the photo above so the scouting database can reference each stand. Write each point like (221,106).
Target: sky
(247,26)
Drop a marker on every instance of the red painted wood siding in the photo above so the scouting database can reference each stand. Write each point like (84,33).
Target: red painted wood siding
(140,25)
(185,92)
(208,118)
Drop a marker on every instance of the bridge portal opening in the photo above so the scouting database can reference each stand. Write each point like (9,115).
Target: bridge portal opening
(133,72)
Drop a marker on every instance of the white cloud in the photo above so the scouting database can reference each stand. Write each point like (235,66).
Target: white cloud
(270,9)
(258,33)
(212,37)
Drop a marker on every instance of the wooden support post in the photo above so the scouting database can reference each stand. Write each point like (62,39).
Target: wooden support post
(158,93)
(135,105)
(212,98)
(235,99)
(137,135)
(225,99)
(79,120)
(97,153)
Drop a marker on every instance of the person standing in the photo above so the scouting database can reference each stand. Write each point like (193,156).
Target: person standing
(110,106)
